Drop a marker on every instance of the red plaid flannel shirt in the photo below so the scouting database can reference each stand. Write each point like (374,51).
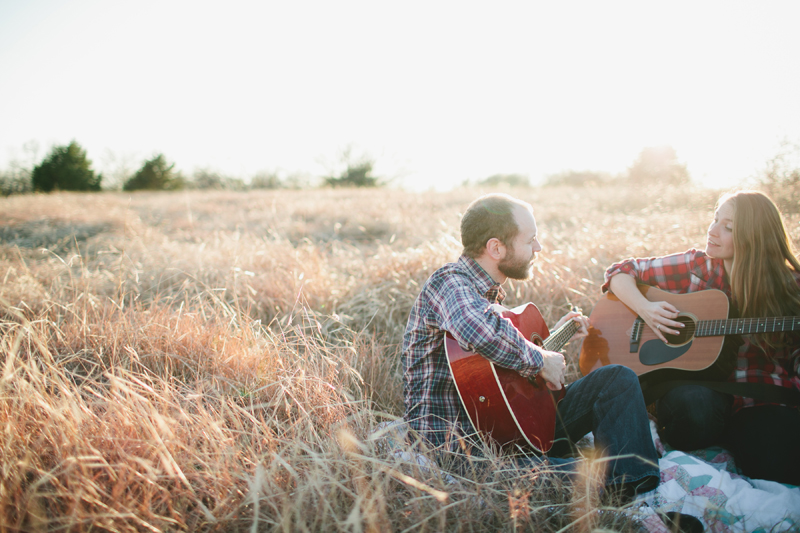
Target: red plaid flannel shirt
(693,271)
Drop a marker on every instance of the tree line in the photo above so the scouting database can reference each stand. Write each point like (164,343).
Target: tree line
(654,164)
(67,168)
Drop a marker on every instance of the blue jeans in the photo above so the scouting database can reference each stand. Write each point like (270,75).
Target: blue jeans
(693,417)
(763,439)
(609,403)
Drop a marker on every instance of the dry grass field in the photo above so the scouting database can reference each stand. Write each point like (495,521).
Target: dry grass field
(214,361)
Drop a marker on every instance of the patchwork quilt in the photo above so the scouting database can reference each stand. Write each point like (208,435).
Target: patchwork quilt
(704,484)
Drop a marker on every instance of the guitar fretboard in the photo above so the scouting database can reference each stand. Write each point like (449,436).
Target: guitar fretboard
(561,336)
(745,326)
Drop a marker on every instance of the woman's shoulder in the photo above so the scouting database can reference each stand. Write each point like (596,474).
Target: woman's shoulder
(692,256)
(702,262)
(693,264)
(700,257)
(689,260)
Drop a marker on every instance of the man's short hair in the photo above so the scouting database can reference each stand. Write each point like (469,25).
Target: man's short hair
(490,216)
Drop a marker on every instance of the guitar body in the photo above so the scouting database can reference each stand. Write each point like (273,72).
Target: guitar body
(503,405)
(612,335)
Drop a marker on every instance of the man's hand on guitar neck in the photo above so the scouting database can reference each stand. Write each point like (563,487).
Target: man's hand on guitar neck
(577,316)
(554,367)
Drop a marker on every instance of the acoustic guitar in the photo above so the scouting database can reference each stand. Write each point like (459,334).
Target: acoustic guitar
(617,335)
(502,405)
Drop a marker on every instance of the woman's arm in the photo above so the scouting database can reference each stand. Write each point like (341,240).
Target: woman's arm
(658,315)
(673,273)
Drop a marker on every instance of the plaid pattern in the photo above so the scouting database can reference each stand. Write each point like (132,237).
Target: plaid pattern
(457,299)
(693,271)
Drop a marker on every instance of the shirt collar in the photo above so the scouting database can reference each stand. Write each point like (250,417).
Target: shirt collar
(714,275)
(485,284)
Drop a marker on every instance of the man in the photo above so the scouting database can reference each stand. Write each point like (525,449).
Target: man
(500,241)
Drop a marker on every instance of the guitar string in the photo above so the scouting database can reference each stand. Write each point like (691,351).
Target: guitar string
(742,325)
(561,336)
(753,325)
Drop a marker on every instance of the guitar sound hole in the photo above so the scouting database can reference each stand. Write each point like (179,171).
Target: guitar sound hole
(686,333)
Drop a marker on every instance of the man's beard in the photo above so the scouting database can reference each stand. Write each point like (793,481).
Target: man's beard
(515,268)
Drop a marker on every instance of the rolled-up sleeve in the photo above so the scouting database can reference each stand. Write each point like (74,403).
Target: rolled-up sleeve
(670,272)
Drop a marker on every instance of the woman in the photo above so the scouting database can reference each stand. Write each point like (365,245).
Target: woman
(749,256)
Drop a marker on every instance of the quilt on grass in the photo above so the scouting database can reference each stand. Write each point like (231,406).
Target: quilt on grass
(704,484)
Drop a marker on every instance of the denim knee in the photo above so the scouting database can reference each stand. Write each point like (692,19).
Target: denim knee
(618,377)
(622,380)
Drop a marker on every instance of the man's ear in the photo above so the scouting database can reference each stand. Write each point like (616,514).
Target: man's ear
(495,249)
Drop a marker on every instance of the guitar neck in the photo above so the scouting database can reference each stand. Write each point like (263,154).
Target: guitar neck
(746,326)
(561,336)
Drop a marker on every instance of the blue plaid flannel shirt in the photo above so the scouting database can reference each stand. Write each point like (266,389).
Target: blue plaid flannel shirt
(457,299)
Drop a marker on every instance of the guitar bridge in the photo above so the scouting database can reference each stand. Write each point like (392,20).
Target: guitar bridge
(636,334)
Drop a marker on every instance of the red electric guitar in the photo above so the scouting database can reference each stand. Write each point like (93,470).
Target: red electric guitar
(502,405)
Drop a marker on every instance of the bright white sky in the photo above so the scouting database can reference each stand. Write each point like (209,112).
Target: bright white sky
(438,92)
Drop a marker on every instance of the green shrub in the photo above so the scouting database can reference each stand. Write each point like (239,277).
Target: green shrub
(155,175)
(209,179)
(356,175)
(15,181)
(266,180)
(66,169)
(511,180)
(577,178)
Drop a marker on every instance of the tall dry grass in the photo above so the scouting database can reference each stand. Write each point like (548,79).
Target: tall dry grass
(218,361)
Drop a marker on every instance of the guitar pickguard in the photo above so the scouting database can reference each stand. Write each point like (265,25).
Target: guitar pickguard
(655,352)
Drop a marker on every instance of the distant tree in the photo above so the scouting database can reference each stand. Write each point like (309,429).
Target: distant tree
(576,178)
(155,175)
(266,180)
(15,181)
(66,169)
(512,180)
(209,179)
(299,180)
(17,178)
(658,164)
(357,171)
(356,175)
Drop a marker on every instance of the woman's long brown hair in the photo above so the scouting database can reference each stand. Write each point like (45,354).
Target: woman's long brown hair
(762,279)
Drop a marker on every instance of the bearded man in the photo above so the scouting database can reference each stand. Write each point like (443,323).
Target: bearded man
(500,240)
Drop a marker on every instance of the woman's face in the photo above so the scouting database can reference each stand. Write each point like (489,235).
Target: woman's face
(720,233)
